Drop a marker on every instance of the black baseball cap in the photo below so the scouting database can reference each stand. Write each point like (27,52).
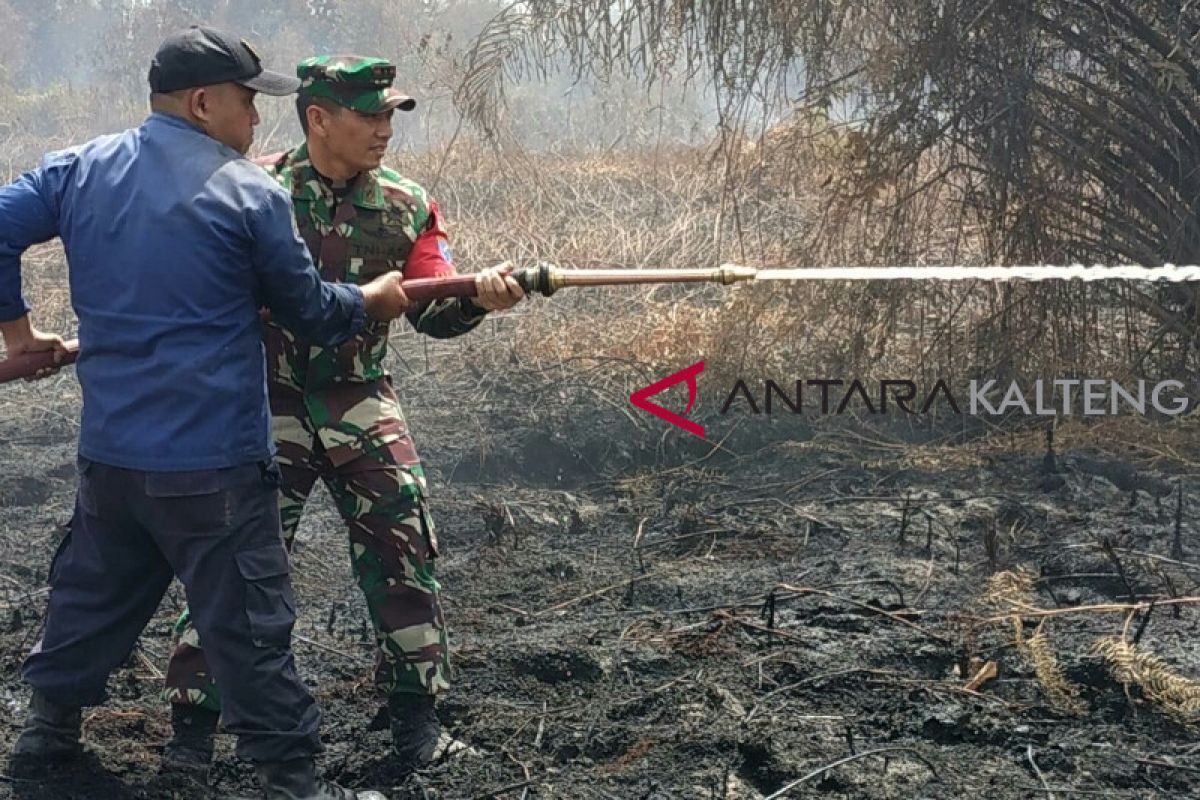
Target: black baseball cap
(200,56)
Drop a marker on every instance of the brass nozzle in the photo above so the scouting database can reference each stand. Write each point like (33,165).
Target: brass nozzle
(543,279)
(728,273)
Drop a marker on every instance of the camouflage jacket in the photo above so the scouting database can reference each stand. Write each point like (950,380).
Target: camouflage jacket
(343,394)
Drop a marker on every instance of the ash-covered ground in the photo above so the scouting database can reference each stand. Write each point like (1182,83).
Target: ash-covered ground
(645,616)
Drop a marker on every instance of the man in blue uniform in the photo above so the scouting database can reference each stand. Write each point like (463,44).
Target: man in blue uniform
(173,242)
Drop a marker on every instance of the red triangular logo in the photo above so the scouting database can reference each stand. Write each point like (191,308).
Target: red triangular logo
(641,398)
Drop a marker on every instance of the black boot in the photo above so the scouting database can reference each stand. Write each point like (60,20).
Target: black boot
(49,738)
(297,780)
(191,747)
(415,729)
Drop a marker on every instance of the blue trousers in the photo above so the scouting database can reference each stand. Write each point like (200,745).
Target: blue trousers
(218,531)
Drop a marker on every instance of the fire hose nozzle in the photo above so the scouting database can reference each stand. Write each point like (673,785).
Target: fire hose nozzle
(543,279)
(729,273)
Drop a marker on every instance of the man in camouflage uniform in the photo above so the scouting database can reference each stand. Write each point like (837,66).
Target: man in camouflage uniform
(335,414)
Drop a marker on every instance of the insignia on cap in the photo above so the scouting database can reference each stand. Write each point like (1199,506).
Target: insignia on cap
(383,74)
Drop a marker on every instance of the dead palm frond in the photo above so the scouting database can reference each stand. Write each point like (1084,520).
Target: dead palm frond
(1176,695)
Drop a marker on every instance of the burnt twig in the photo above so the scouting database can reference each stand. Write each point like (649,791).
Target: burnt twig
(767,614)
(1137,636)
(1110,551)
(1177,541)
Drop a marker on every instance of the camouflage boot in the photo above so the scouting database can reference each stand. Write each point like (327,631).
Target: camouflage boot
(49,738)
(191,747)
(297,780)
(415,729)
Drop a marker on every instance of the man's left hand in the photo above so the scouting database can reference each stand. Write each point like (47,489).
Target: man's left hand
(21,338)
(495,290)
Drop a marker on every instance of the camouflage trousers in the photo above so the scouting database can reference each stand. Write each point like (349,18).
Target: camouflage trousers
(393,547)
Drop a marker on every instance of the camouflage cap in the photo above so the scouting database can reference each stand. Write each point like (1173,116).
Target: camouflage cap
(357,82)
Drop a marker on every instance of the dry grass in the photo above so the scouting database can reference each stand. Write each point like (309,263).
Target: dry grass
(675,207)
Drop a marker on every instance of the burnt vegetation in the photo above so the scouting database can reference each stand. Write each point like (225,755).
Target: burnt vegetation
(872,606)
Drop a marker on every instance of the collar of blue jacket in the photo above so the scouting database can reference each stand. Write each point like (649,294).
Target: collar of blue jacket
(173,242)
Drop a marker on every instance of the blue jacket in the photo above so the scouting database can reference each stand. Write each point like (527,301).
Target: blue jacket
(173,241)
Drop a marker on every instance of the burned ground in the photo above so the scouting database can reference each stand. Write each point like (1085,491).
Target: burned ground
(645,616)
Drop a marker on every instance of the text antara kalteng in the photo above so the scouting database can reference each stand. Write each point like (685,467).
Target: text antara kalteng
(1057,397)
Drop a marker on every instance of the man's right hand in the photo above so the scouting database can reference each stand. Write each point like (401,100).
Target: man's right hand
(384,298)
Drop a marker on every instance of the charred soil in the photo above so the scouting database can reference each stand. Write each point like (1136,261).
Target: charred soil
(645,616)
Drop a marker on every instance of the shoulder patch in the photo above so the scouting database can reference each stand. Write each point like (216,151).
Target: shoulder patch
(400,191)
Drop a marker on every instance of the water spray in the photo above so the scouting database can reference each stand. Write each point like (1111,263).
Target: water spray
(546,279)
